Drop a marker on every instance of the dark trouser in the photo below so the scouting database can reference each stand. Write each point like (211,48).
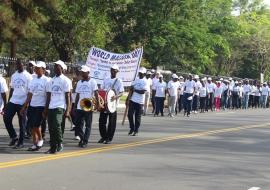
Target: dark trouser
(195,103)
(180,103)
(134,108)
(55,118)
(256,101)
(210,101)
(27,127)
(224,99)
(159,105)
(81,117)
(251,101)
(43,127)
(235,98)
(153,101)
(240,99)
(11,110)
(187,103)
(107,133)
(202,103)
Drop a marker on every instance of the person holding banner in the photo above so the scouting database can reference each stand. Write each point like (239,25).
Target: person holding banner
(135,101)
(116,84)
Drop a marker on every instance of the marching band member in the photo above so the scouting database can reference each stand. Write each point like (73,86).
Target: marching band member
(57,105)
(173,87)
(148,92)
(86,88)
(20,81)
(189,89)
(37,99)
(135,102)
(115,84)
(160,95)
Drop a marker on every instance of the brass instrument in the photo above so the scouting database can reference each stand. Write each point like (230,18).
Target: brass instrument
(90,104)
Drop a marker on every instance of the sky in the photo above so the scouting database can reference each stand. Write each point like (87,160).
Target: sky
(267,2)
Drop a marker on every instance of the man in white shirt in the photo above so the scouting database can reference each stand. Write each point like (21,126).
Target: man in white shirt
(3,91)
(148,92)
(246,94)
(198,85)
(85,88)
(173,91)
(210,89)
(181,94)
(265,94)
(235,95)
(135,101)
(159,90)
(19,84)
(189,89)
(154,82)
(35,104)
(116,84)
(57,105)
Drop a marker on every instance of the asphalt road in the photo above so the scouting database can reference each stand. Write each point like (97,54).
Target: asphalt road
(215,151)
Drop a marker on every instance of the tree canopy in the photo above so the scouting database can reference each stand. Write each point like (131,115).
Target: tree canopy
(218,37)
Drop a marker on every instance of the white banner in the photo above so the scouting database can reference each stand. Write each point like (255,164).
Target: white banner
(100,62)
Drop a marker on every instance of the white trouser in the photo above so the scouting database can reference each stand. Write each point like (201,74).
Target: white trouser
(146,102)
(172,104)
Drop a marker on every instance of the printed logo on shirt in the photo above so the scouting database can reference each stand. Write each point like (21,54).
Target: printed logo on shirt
(56,89)
(84,89)
(37,88)
(18,83)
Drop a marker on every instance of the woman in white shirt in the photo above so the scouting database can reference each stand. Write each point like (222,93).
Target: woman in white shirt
(218,93)
(36,100)
(160,95)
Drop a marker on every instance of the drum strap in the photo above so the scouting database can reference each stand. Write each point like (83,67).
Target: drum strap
(114,83)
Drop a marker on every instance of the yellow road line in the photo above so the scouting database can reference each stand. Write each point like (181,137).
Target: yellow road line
(122,146)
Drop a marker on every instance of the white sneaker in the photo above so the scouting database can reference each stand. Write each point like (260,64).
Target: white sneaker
(195,112)
(77,138)
(40,143)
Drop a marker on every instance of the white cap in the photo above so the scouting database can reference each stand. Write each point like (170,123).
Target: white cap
(218,81)
(196,76)
(160,76)
(174,76)
(153,71)
(236,82)
(148,72)
(230,78)
(61,63)
(226,81)
(48,71)
(41,64)
(142,70)
(181,77)
(33,63)
(209,78)
(221,79)
(157,72)
(85,69)
(115,67)
(265,83)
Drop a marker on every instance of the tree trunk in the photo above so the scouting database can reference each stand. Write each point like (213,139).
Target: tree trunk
(13,48)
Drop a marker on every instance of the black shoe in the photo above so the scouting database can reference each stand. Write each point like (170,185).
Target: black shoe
(51,151)
(13,142)
(130,132)
(18,146)
(83,145)
(135,133)
(107,142)
(72,129)
(27,136)
(60,148)
(101,140)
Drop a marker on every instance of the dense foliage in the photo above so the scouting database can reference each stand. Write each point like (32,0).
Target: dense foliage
(218,37)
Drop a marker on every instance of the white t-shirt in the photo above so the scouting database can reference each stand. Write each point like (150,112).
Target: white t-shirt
(257,91)
(139,84)
(160,88)
(58,86)
(265,90)
(236,89)
(218,92)
(20,83)
(181,87)
(210,87)
(203,91)
(246,89)
(149,84)
(198,85)
(39,87)
(189,85)
(241,90)
(86,89)
(3,89)
(118,86)
(173,88)
(154,82)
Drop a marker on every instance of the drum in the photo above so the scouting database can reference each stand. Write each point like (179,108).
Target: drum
(109,106)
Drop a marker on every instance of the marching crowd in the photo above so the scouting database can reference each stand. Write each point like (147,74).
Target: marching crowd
(40,100)
(194,94)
